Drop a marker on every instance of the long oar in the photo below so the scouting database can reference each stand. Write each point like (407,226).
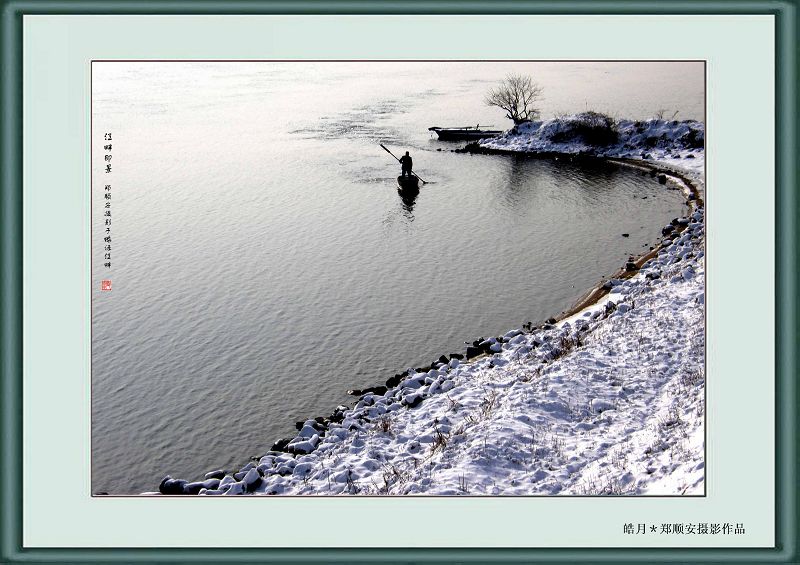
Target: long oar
(392,154)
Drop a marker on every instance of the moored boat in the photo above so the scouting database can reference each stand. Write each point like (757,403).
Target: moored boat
(466,132)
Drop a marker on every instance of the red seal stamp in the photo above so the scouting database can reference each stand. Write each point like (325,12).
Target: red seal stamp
(105,285)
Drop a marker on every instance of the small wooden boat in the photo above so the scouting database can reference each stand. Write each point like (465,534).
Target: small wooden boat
(466,132)
(408,182)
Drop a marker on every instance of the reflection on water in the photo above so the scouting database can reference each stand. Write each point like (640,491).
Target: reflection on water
(520,187)
(408,196)
(265,260)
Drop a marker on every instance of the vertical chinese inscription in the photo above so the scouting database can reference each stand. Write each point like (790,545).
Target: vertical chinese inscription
(107,192)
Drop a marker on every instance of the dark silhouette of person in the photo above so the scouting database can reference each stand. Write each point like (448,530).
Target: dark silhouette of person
(405,165)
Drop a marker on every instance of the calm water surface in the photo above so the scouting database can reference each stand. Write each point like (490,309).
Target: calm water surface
(264,261)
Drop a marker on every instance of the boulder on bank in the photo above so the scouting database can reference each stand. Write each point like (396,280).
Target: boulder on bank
(301,445)
(197,486)
(412,400)
(251,480)
(307,431)
(338,414)
(280,445)
(171,486)
(378,390)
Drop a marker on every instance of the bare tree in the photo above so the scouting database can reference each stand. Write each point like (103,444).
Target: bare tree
(516,95)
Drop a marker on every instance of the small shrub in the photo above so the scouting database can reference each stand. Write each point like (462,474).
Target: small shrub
(452,405)
(691,379)
(384,424)
(619,459)
(564,345)
(592,128)
(439,441)
(352,487)
(650,141)
(693,139)
(671,419)
(528,374)
(558,445)
(487,404)
(613,487)
(659,115)
(680,452)
(391,475)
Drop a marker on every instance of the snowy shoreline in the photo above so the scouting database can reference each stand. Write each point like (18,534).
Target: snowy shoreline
(608,399)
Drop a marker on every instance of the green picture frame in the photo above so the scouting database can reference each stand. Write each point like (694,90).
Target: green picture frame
(786,290)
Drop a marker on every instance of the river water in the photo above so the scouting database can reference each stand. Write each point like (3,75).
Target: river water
(264,262)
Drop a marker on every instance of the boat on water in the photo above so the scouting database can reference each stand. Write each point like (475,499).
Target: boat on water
(466,132)
(408,182)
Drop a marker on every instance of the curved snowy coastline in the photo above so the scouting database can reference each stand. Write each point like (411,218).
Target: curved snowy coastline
(609,400)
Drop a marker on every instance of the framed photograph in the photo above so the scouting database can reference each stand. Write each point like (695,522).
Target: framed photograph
(403,281)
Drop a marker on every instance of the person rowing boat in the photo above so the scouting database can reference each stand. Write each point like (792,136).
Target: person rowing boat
(406,164)
(407,175)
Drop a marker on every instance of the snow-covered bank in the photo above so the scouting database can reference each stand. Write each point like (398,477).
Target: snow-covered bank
(607,401)
(678,144)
